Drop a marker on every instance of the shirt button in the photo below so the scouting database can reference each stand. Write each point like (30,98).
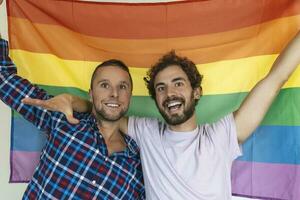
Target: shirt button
(94,182)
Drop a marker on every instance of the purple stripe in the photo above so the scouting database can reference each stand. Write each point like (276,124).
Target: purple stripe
(23,165)
(277,181)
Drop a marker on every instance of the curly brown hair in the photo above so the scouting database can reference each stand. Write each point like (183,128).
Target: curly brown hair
(165,61)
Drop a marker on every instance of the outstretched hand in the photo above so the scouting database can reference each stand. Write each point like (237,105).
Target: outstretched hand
(61,103)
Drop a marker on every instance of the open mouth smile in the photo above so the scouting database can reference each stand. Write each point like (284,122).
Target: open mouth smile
(173,105)
(112,105)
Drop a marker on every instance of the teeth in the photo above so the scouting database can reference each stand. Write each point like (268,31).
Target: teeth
(112,105)
(175,103)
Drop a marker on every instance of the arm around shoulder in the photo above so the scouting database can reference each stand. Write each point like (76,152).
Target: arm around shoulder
(64,103)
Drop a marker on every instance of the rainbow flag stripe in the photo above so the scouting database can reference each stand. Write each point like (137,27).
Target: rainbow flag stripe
(57,44)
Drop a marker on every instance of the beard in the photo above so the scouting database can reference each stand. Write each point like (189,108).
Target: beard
(176,119)
(101,114)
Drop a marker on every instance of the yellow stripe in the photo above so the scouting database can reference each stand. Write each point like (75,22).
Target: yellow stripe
(234,44)
(222,77)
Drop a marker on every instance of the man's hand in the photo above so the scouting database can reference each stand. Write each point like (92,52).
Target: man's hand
(61,103)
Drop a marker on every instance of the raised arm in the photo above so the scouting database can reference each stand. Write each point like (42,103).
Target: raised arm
(14,88)
(256,104)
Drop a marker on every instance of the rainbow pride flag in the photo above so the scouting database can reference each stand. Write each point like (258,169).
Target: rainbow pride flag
(57,43)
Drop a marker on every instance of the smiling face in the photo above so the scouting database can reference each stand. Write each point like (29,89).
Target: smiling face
(110,93)
(175,97)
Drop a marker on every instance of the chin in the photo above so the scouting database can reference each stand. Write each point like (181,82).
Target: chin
(102,115)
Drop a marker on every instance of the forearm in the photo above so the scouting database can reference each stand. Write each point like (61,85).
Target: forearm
(257,103)
(254,107)
(8,79)
(14,88)
(286,62)
(7,67)
(80,105)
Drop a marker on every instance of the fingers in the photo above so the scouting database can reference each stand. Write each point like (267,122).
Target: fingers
(71,119)
(45,104)
(33,102)
(53,106)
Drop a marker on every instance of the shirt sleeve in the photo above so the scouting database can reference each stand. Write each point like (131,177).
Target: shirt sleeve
(224,132)
(140,128)
(14,88)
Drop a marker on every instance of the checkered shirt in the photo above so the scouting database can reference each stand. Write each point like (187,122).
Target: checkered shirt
(74,163)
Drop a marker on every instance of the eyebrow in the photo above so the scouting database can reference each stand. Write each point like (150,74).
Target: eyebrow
(107,80)
(101,81)
(178,79)
(126,83)
(159,84)
(174,80)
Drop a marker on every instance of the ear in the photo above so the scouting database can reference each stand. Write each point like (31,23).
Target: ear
(198,93)
(91,95)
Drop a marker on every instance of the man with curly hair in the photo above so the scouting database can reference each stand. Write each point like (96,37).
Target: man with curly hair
(184,160)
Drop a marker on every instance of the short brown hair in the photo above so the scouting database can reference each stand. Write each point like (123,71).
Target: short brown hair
(115,63)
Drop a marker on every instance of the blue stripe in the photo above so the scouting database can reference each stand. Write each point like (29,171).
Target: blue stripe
(273,144)
(26,137)
(269,144)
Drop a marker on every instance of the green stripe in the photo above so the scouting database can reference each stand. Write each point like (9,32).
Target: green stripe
(53,90)
(209,109)
(284,111)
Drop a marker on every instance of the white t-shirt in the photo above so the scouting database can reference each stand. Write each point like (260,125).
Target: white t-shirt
(192,165)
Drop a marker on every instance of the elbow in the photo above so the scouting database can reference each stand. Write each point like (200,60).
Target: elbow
(278,80)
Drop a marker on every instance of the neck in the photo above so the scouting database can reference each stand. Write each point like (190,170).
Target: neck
(110,130)
(188,125)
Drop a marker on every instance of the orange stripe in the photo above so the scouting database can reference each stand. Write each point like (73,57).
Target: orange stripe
(267,38)
(146,21)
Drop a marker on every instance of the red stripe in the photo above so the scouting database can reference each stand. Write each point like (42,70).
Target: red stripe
(146,21)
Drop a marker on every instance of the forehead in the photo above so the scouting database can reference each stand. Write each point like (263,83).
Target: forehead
(112,73)
(170,73)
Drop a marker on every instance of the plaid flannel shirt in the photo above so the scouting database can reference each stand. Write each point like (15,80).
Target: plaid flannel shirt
(74,163)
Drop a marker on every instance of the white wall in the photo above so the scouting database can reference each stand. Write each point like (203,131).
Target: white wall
(9,191)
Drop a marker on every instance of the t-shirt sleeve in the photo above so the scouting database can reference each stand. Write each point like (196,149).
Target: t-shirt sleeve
(140,128)
(226,136)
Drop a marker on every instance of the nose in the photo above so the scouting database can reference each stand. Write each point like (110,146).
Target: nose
(170,91)
(114,92)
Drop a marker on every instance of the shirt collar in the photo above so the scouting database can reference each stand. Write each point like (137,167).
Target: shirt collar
(132,148)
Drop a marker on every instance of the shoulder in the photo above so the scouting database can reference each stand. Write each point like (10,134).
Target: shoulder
(143,122)
(223,123)
(222,129)
(143,126)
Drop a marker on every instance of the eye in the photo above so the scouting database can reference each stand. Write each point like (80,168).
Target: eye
(179,84)
(160,88)
(104,85)
(123,87)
